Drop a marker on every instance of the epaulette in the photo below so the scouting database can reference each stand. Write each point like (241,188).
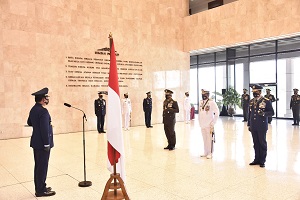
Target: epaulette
(265,98)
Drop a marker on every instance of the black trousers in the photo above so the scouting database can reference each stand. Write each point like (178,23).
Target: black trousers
(41,160)
(100,123)
(245,112)
(170,134)
(148,118)
(295,110)
(260,145)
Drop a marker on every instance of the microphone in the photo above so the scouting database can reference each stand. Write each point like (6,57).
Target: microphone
(66,104)
(69,105)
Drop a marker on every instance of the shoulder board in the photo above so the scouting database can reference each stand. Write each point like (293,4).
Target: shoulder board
(265,98)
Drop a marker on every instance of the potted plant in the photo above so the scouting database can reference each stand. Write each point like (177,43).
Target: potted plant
(231,98)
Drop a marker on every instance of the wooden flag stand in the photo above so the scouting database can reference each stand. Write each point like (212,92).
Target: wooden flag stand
(115,182)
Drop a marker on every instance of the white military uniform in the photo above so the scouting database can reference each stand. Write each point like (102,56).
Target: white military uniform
(208,115)
(187,109)
(126,110)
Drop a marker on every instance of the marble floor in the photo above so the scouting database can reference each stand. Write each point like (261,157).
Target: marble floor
(157,174)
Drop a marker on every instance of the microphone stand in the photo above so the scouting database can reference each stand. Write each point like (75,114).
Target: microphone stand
(84,183)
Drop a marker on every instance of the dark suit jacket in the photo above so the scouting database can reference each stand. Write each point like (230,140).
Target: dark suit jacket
(100,107)
(170,108)
(42,133)
(147,104)
(256,121)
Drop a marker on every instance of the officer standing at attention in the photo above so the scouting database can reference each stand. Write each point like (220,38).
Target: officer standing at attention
(147,107)
(208,116)
(170,108)
(295,106)
(245,104)
(271,99)
(187,108)
(126,111)
(100,111)
(260,109)
(41,141)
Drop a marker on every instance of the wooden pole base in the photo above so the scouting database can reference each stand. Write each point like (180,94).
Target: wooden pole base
(111,191)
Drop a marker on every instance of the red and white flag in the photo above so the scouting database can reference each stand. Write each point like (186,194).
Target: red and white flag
(115,146)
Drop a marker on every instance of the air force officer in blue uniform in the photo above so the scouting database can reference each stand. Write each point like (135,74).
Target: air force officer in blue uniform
(41,141)
(100,111)
(147,107)
(260,108)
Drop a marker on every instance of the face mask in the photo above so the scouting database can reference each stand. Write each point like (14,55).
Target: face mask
(204,97)
(256,94)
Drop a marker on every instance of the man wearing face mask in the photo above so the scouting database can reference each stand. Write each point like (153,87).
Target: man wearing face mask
(271,99)
(147,107)
(187,108)
(245,104)
(100,111)
(208,116)
(41,141)
(170,108)
(260,109)
(295,106)
(126,110)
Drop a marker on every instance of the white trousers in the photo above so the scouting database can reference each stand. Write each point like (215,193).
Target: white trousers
(207,139)
(126,120)
(187,115)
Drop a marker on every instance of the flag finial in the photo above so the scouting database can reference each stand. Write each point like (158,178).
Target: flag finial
(110,35)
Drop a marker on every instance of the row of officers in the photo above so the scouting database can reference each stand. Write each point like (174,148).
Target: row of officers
(100,110)
(294,104)
(259,111)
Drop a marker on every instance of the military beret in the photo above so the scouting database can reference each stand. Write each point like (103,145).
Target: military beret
(102,92)
(148,92)
(295,89)
(43,92)
(204,91)
(256,87)
(245,89)
(167,91)
(187,93)
(268,89)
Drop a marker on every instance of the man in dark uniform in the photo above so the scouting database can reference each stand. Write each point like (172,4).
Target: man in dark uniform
(170,108)
(271,99)
(41,141)
(100,111)
(245,104)
(260,109)
(147,107)
(295,106)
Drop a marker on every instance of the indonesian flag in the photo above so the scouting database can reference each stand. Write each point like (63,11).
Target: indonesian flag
(115,146)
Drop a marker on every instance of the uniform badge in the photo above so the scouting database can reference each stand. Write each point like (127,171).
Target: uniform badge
(207,108)
(262,105)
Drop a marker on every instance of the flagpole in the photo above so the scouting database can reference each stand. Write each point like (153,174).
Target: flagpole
(115,177)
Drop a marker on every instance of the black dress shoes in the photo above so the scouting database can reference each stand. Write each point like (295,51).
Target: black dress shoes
(45,194)
(254,163)
(48,189)
(262,165)
(171,148)
(167,147)
(150,126)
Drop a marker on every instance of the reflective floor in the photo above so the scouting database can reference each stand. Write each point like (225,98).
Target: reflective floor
(157,174)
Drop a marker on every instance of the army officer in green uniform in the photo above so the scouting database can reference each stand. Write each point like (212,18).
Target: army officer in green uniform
(271,99)
(295,106)
(170,108)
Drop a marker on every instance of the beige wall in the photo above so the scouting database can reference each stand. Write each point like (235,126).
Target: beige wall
(241,21)
(36,37)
